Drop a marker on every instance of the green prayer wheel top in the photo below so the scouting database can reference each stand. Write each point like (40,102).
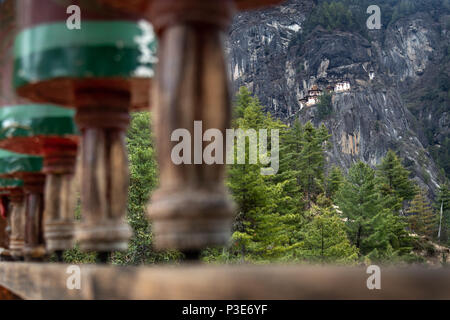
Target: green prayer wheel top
(29,128)
(26,127)
(6,184)
(16,165)
(53,59)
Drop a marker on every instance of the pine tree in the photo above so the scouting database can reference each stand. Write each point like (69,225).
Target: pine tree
(395,182)
(251,190)
(443,201)
(290,171)
(389,239)
(325,240)
(334,181)
(312,162)
(360,203)
(422,219)
(243,100)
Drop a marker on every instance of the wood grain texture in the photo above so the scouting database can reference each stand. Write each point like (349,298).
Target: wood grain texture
(18,213)
(4,236)
(48,281)
(59,166)
(34,248)
(59,212)
(104,180)
(191,210)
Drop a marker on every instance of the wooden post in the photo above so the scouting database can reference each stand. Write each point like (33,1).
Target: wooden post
(191,210)
(59,164)
(34,249)
(4,237)
(17,239)
(104,170)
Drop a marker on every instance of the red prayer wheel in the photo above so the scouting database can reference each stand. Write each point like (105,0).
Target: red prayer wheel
(28,168)
(103,70)
(39,129)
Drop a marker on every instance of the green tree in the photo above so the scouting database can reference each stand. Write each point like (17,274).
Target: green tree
(389,240)
(443,201)
(290,170)
(395,184)
(325,240)
(312,162)
(143,179)
(422,220)
(334,181)
(250,189)
(360,203)
(324,107)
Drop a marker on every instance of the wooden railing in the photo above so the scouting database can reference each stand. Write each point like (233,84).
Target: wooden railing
(191,210)
(204,282)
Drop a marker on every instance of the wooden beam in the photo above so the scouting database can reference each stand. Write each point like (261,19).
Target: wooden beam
(194,282)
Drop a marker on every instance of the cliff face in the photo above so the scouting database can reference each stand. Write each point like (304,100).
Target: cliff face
(269,55)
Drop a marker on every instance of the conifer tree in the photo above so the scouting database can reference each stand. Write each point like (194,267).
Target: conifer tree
(360,203)
(389,239)
(312,162)
(422,220)
(250,189)
(324,239)
(334,181)
(290,171)
(443,201)
(395,182)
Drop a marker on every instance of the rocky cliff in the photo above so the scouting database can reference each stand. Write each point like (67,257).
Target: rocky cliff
(390,71)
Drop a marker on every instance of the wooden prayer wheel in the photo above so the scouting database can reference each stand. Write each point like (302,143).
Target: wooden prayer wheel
(29,169)
(17,222)
(40,129)
(103,70)
(50,132)
(14,212)
(191,210)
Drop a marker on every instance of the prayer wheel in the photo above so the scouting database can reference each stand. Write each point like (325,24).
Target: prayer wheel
(191,210)
(12,225)
(17,222)
(28,168)
(50,132)
(40,129)
(14,212)
(103,70)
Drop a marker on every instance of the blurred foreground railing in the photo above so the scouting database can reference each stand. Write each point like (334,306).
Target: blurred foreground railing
(204,282)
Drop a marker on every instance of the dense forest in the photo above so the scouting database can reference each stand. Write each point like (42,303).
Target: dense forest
(306,213)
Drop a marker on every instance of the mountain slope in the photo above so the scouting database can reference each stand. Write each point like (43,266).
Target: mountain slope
(279,56)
